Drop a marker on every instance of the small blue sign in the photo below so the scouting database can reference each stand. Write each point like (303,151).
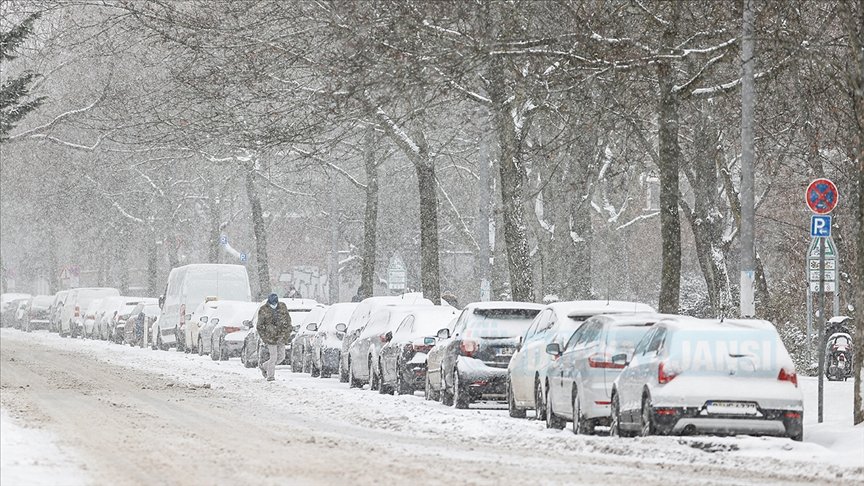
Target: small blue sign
(223,240)
(243,258)
(820,226)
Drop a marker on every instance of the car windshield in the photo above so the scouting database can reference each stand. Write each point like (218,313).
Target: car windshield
(499,323)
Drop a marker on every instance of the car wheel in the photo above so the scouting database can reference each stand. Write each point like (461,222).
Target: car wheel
(461,399)
(382,387)
(402,388)
(430,394)
(615,418)
(581,426)
(352,382)
(343,374)
(539,405)
(214,350)
(374,384)
(446,396)
(512,409)
(646,422)
(223,353)
(552,420)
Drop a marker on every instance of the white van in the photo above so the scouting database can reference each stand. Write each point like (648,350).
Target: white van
(187,287)
(78,300)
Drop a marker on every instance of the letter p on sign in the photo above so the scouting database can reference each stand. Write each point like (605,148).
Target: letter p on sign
(820,226)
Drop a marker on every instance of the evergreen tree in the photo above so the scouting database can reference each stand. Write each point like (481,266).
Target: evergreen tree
(15,99)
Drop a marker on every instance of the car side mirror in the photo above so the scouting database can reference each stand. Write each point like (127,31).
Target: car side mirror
(620,359)
(387,337)
(204,319)
(161,301)
(429,341)
(341,327)
(188,317)
(444,333)
(554,349)
(312,327)
(247,324)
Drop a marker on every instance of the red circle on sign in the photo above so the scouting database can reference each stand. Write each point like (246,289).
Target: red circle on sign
(822,196)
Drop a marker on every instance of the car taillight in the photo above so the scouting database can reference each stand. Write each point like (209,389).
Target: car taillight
(468,348)
(383,338)
(788,376)
(603,361)
(77,311)
(663,375)
(229,330)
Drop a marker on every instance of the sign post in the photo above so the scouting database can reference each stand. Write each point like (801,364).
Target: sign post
(396,275)
(821,198)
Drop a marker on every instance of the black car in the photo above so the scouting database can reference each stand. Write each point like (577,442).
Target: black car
(403,358)
(471,364)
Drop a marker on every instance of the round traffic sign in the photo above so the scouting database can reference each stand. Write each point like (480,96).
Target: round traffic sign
(822,196)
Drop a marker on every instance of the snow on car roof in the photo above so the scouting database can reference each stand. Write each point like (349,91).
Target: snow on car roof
(685,322)
(300,304)
(587,308)
(503,304)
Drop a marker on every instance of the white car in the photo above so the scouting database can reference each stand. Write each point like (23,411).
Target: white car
(91,315)
(554,324)
(578,382)
(230,317)
(707,376)
(198,319)
(78,300)
(327,343)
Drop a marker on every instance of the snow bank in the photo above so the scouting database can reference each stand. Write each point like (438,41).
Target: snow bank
(32,457)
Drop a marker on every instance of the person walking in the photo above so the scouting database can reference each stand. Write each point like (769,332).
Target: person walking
(274,328)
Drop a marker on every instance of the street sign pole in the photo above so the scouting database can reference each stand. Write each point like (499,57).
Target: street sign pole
(821,324)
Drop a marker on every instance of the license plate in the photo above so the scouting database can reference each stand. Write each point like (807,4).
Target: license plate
(732,408)
(505,352)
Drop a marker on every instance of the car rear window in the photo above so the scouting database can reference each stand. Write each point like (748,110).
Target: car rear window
(499,323)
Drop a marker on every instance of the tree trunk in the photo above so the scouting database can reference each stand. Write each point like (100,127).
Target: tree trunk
(483,261)
(152,265)
(670,224)
(333,274)
(213,244)
(429,265)
(370,220)
(53,261)
(260,233)
(512,176)
(853,17)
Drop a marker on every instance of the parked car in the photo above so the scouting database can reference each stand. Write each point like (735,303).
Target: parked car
(56,310)
(118,310)
(77,302)
(360,317)
(402,360)
(254,351)
(301,344)
(230,317)
(327,343)
(707,376)
(471,363)
(140,322)
(194,324)
(9,307)
(91,313)
(578,383)
(554,324)
(38,313)
(200,318)
(363,354)
(187,287)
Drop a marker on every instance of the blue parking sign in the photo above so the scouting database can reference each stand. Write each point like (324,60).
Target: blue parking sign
(243,258)
(820,226)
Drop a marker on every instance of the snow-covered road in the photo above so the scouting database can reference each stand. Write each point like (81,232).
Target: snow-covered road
(122,415)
